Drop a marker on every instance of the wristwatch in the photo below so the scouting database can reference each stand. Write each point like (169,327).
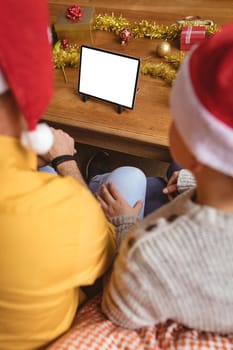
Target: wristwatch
(60,159)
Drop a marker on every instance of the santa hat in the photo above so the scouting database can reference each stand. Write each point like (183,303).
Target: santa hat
(202,101)
(26,65)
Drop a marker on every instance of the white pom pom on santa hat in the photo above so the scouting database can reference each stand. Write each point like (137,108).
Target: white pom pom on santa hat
(39,140)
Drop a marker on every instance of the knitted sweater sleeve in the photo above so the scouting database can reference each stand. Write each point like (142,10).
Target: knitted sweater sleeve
(131,299)
(122,302)
(122,225)
(185,181)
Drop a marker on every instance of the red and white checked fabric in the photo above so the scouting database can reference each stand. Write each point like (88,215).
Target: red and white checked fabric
(92,331)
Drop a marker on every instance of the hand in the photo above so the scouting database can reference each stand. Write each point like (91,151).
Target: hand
(114,204)
(41,161)
(63,144)
(171,189)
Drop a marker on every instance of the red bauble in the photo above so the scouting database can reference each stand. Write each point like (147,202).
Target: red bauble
(73,12)
(64,44)
(125,35)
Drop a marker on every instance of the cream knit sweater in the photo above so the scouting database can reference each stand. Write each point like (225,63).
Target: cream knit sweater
(175,264)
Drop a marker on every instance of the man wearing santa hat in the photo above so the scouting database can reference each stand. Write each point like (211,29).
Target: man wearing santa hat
(54,237)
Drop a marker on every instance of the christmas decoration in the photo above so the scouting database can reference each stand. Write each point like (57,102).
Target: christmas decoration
(166,71)
(79,30)
(68,55)
(64,44)
(143,28)
(160,70)
(125,36)
(163,49)
(191,35)
(196,20)
(73,12)
(175,59)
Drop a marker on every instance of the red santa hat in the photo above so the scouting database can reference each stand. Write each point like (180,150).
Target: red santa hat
(202,101)
(26,65)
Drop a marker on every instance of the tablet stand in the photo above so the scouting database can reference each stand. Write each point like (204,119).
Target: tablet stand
(85,98)
(120,108)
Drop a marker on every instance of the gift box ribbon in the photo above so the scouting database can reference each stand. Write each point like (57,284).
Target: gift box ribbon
(188,34)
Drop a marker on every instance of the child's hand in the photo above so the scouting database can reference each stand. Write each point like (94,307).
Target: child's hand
(171,189)
(114,204)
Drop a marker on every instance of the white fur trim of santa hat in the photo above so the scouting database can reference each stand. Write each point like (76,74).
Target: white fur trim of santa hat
(3,84)
(206,136)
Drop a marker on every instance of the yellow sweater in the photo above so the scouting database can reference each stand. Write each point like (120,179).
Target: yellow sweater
(54,238)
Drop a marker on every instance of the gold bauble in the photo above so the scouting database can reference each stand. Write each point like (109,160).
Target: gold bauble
(163,49)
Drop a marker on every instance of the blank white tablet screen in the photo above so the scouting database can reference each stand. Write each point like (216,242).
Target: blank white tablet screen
(109,76)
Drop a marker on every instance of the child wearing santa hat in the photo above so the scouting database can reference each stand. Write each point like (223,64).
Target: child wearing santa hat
(177,263)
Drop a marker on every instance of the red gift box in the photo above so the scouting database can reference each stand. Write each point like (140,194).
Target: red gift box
(191,35)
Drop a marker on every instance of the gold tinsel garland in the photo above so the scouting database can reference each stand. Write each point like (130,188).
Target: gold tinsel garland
(164,70)
(159,70)
(70,56)
(143,28)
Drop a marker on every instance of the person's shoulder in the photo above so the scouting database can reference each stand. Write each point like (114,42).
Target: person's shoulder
(181,224)
(160,227)
(156,225)
(53,191)
(151,232)
(168,215)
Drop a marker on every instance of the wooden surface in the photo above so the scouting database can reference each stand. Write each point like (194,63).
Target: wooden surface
(142,131)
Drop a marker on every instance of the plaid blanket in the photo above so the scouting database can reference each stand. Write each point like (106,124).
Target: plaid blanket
(91,330)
